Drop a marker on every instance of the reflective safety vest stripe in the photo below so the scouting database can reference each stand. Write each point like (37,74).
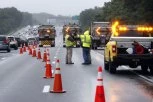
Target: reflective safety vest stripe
(67,42)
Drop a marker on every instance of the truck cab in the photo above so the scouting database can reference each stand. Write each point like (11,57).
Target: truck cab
(47,35)
(100,34)
(130,45)
(75,30)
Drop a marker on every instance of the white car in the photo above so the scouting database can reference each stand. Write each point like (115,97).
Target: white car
(13,42)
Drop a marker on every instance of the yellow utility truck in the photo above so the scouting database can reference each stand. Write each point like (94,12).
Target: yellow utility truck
(100,33)
(74,30)
(130,45)
(47,35)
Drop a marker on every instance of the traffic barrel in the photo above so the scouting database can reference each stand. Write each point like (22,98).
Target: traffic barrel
(45,56)
(57,88)
(48,72)
(34,52)
(99,96)
(39,54)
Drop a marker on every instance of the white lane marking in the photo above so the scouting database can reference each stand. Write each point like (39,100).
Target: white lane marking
(141,76)
(55,57)
(52,71)
(46,88)
(53,62)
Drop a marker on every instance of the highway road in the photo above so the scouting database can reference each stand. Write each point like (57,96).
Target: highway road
(21,79)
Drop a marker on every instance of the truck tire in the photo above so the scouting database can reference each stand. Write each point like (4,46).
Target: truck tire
(15,47)
(8,50)
(144,69)
(151,70)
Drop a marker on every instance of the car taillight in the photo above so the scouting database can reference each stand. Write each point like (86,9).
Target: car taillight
(114,48)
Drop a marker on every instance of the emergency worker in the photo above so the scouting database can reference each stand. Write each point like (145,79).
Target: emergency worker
(86,45)
(70,42)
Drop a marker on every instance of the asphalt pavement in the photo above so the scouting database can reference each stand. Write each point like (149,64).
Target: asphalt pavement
(21,79)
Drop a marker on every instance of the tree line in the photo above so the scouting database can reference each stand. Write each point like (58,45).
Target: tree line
(126,11)
(11,19)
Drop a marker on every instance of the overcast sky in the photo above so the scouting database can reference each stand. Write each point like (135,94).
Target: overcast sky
(56,7)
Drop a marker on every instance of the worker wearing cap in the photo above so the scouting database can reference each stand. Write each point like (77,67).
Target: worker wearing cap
(70,42)
(86,44)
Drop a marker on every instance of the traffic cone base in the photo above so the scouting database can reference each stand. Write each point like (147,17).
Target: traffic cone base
(57,91)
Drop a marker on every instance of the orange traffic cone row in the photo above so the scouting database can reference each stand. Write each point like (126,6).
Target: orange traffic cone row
(39,54)
(57,88)
(48,72)
(100,96)
(34,52)
(45,56)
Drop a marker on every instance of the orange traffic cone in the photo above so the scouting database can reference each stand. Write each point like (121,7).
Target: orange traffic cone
(39,54)
(24,48)
(34,53)
(30,51)
(57,88)
(21,51)
(100,96)
(45,56)
(48,72)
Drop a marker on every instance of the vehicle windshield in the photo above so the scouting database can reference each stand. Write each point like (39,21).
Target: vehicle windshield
(11,38)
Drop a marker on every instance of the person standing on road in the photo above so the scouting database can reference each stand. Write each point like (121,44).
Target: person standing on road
(70,42)
(86,44)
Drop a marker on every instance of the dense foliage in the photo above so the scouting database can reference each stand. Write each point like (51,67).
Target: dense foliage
(126,11)
(11,19)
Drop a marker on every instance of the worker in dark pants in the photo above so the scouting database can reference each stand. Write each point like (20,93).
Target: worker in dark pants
(86,44)
(70,42)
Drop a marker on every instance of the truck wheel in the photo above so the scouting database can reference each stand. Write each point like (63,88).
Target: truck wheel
(112,68)
(8,50)
(151,70)
(144,69)
(15,48)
